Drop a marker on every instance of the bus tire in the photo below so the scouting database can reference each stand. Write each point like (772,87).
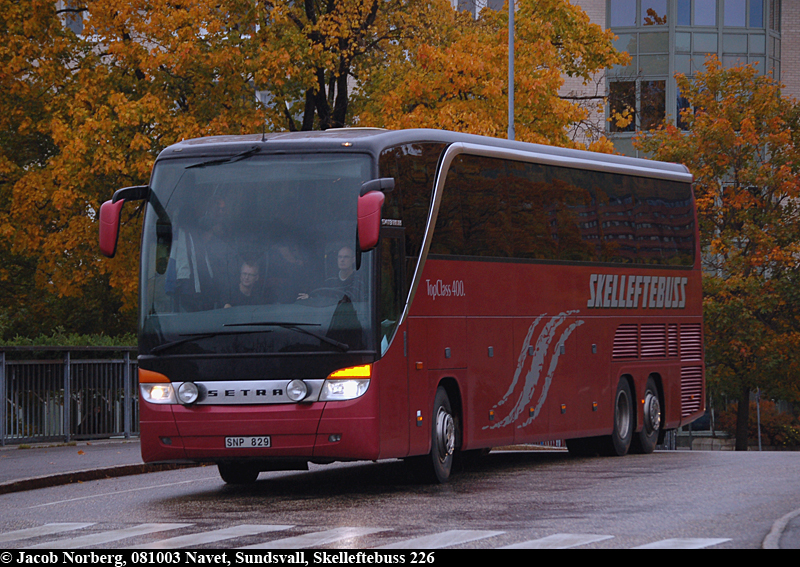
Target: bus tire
(618,443)
(443,437)
(645,441)
(238,473)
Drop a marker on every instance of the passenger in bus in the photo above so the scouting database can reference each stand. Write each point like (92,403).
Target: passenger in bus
(288,273)
(191,276)
(246,293)
(221,254)
(346,280)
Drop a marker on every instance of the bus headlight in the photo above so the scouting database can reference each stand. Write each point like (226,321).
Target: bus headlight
(297,390)
(346,384)
(158,393)
(188,393)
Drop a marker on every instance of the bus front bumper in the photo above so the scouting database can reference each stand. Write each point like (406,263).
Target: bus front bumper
(321,431)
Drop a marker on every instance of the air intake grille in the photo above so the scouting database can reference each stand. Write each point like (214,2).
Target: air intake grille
(654,341)
(672,340)
(626,342)
(691,390)
(691,342)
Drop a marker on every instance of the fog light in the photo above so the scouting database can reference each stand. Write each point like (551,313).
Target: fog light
(296,390)
(187,393)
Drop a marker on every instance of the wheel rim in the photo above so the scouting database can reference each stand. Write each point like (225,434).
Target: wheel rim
(622,414)
(652,412)
(445,435)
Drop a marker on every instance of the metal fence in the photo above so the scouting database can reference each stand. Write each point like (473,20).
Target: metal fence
(65,394)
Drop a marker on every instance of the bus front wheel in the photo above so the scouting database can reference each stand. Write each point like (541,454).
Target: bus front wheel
(443,436)
(437,465)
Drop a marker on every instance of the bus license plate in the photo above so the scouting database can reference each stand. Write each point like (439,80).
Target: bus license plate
(247,442)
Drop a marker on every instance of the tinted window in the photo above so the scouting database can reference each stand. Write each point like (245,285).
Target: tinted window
(502,209)
(413,167)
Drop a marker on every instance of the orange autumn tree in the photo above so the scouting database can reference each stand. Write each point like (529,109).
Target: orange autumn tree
(455,75)
(97,108)
(87,114)
(313,53)
(742,144)
(143,74)
(36,57)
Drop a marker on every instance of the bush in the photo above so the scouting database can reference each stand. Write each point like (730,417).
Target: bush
(60,338)
(780,430)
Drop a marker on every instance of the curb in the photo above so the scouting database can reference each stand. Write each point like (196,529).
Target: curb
(86,475)
(773,539)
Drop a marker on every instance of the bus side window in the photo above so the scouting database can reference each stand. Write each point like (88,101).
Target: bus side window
(391,290)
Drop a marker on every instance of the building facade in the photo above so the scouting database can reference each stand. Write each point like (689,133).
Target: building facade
(665,37)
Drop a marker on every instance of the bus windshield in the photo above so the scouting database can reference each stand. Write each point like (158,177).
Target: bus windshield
(255,254)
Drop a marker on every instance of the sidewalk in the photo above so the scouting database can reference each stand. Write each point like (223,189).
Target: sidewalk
(53,464)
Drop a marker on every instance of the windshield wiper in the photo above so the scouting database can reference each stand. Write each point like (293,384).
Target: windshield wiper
(230,159)
(295,327)
(194,336)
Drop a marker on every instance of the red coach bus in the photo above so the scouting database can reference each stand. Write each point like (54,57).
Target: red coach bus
(370,294)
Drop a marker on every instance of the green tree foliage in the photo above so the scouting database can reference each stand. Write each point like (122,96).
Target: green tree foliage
(742,147)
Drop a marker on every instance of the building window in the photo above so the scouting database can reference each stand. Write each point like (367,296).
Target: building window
(653,104)
(705,13)
(622,103)
(666,37)
(622,13)
(756,13)
(775,15)
(654,12)
(72,12)
(735,13)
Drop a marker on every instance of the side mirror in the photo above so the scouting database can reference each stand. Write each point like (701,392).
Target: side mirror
(109,227)
(369,220)
(109,216)
(384,185)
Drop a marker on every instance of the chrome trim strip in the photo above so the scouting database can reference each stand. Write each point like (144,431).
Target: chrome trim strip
(251,392)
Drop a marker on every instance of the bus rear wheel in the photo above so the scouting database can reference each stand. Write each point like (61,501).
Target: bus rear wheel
(618,443)
(238,473)
(645,441)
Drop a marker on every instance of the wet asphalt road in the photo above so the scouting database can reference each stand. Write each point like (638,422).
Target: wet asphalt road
(710,499)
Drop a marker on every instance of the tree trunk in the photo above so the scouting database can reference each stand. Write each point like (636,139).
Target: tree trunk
(742,419)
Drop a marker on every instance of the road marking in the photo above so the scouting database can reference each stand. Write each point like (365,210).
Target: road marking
(212,536)
(683,543)
(315,539)
(559,541)
(47,529)
(444,539)
(117,492)
(108,537)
